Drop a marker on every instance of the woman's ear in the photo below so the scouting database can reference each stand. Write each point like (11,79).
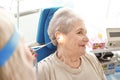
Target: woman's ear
(59,37)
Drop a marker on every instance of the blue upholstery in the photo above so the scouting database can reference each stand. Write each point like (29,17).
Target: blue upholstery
(42,35)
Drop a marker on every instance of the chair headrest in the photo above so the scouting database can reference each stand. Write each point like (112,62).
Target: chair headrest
(45,17)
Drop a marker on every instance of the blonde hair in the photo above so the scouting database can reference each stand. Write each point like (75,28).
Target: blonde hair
(64,20)
(17,67)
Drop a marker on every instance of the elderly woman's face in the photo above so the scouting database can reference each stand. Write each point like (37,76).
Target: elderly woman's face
(76,39)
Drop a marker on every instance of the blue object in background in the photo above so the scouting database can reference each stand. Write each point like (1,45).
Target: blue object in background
(42,35)
(115,76)
(9,48)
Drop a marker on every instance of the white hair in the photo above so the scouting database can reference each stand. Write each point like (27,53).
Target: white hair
(64,20)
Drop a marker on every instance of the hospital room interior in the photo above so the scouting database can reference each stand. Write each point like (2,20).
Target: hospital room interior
(102,21)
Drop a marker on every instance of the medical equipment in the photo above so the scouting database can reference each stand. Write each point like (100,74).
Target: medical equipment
(35,48)
(106,56)
(113,36)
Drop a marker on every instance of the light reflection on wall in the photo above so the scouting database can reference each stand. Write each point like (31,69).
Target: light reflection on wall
(99,15)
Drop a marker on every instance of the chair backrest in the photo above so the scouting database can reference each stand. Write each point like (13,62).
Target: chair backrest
(42,35)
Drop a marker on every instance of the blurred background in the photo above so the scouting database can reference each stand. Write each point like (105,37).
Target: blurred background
(97,14)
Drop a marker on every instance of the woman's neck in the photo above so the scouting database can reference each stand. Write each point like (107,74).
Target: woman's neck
(72,61)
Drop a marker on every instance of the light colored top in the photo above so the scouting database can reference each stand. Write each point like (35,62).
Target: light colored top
(52,68)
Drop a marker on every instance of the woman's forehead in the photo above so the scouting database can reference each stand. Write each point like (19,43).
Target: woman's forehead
(79,26)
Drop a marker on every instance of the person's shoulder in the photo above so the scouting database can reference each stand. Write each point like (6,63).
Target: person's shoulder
(91,57)
(47,60)
(45,66)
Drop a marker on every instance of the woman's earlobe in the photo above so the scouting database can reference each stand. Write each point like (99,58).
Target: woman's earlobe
(59,37)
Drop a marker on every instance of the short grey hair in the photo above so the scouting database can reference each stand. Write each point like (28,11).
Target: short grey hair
(63,20)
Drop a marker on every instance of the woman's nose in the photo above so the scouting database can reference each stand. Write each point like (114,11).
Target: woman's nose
(85,39)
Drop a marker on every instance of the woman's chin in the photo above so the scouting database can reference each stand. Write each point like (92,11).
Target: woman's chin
(82,53)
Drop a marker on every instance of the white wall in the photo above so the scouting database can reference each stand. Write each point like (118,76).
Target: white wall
(98,15)
(28,26)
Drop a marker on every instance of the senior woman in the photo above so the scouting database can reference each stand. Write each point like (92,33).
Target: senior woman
(16,61)
(70,61)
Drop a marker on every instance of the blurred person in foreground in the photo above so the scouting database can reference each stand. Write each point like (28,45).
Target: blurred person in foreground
(70,61)
(16,61)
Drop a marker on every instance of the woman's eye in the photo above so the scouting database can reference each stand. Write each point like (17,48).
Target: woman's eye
(80,32)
